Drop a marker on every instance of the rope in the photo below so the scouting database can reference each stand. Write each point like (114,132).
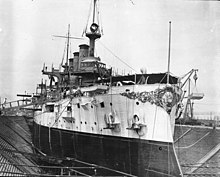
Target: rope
(201,166)
(70,49)
(64,53)
(155,116)
(87,22)
(117,57)
(96,116)
(183,134)
(171,79)
(202,174)
(60,113)
(44,166)
(157,172)
(168,150)
(198,163)
(156,107)
(120,172)
(100,18)
(39,174)
(185,147)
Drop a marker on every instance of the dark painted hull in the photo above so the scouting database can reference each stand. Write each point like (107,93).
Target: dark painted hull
(133,156)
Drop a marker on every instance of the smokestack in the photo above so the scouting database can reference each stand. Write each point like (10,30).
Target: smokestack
(83,51)
(76,61)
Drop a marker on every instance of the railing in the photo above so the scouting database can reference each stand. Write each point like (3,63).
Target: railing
(17,103)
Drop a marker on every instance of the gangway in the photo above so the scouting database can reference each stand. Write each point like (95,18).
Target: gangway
(13,107)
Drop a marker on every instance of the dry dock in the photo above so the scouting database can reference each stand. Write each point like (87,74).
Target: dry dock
(16,153)
(197,148)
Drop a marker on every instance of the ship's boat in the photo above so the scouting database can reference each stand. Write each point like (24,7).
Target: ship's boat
(121,122)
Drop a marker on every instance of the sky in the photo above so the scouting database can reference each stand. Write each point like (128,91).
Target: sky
(135,31)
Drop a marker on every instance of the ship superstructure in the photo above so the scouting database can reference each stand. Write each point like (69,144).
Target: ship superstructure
(125,123)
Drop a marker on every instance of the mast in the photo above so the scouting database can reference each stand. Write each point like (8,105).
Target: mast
(94,9)
(168,67)
(94,31)
(68,40)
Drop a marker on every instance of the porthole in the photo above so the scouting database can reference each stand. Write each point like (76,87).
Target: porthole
(91,106)
(110,104)
(137,103)
(81,122)
(85,122)
(69,108)
(102,104)
(95,123)
(160,148)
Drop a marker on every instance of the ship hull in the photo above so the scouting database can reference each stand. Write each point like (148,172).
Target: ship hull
(137,157)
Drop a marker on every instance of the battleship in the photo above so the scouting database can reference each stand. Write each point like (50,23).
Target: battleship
(124,123)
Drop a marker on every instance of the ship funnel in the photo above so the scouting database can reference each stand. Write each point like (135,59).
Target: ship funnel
(71,64)
(83,50)
(76,54)
(76,61)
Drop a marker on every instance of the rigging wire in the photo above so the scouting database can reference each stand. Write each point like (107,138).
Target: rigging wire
(132,2)
(100,19)
(70,49)
(64,53)
(58,117)
(117,57)
(87,22)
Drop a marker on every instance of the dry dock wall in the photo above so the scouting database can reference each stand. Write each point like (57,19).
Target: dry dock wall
(198,149)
